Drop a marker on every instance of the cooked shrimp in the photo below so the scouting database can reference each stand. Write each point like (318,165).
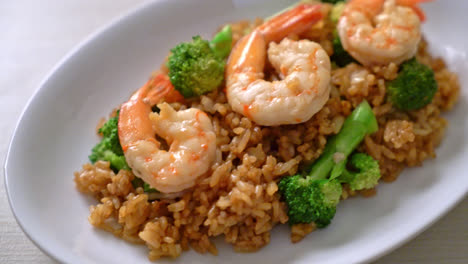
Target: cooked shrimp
(303,66)
(161,89)
(377,32)
(188,132)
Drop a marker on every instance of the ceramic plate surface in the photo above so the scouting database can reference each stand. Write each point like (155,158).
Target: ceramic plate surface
(56,133)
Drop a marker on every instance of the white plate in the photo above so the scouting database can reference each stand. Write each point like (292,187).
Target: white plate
(56,133)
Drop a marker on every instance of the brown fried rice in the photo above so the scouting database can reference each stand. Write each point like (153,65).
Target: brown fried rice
(239,197)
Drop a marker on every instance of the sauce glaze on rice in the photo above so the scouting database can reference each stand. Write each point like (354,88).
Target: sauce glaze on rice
(239,197)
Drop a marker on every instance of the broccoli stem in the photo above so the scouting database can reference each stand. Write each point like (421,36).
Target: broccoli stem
(313,198)
(222,41)
(361,122)
(414,87)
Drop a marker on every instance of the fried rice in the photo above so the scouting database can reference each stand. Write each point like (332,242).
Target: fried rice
(239,198)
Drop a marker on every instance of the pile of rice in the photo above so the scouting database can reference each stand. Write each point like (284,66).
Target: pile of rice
(239,197)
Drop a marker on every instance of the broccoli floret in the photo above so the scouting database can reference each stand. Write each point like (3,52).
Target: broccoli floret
(340,56)
(364,173)
(194,69)
(197,67)
(313,197)
(414,87)
(137,183)
(310,200)
(109,149)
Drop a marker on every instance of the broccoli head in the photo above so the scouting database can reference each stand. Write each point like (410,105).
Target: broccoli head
(109,149)
(340,56)
(309,200)
(414,87)
(197,67)
(194,69)
(364,173)
(314,197)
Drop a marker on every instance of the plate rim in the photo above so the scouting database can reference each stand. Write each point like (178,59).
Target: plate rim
(120,18)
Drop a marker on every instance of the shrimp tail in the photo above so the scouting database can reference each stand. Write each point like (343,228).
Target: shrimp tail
(303,66)
(161,89)
(134,123)
(249,54)
(419,12)
(414,5)
(293,21)
(178,168)
(133,119)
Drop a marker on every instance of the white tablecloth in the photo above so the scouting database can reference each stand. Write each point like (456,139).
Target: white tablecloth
(35,35)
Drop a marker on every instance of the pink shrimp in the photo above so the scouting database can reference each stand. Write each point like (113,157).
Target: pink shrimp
(189,133)
(378,32)
(303,65)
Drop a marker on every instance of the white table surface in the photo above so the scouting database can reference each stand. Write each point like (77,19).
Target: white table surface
(35,35)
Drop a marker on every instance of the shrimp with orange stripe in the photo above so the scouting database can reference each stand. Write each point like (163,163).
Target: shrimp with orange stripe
(303,65)
(189,134)
(378,32)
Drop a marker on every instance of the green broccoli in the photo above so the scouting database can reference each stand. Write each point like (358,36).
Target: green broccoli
(364,173)
(197,67)
(414,87)
(222,41)
(148,189)
(109,148)
(340,56)
(313,198)
(310,200)
(332,1)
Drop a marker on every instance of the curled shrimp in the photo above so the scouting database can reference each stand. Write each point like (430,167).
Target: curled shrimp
(189,133)
(378,32)
(303,66)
